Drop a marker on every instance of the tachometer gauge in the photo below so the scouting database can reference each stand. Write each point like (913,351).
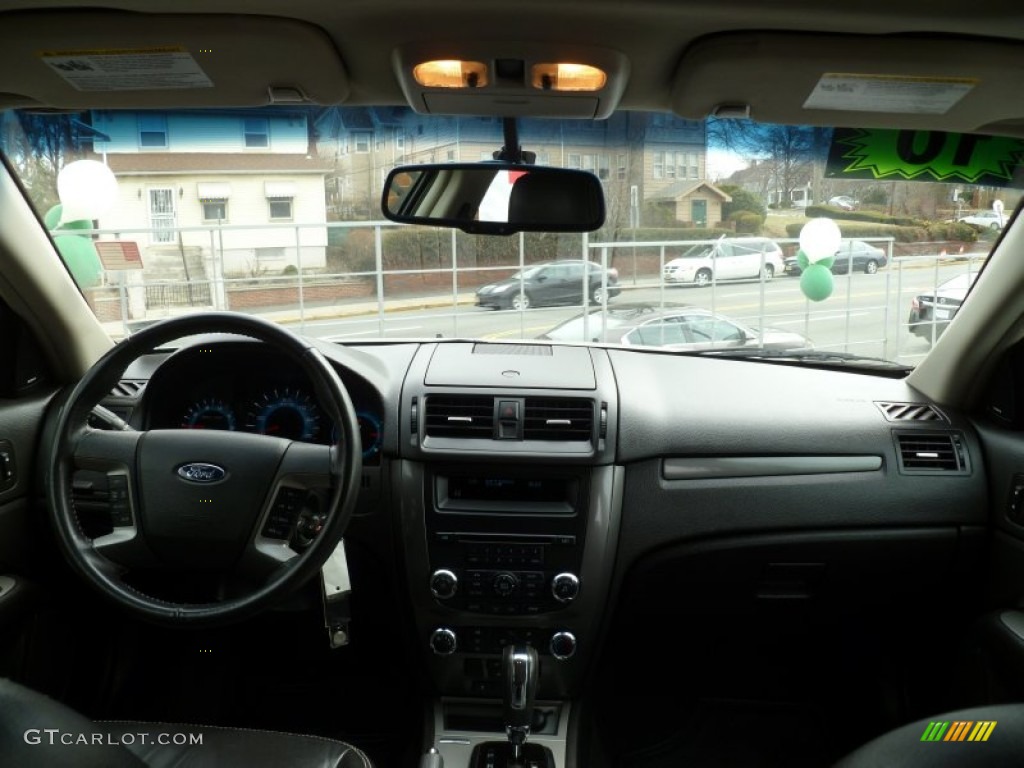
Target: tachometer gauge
(209,414)
(287,412)
(369,433)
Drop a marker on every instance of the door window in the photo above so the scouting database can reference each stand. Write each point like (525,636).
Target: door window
(161,214)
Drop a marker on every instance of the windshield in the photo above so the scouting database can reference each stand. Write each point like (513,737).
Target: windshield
(276,212)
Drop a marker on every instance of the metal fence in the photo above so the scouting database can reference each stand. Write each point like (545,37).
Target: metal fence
(348,292)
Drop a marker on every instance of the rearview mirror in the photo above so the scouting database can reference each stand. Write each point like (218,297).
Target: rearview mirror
(494,198)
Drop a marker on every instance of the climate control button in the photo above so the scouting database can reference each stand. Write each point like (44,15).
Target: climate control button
(443,641)
(563,645)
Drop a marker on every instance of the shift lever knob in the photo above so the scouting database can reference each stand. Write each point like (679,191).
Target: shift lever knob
(519,663)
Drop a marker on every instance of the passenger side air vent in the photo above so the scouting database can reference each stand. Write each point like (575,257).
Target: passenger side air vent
(558,418)
(460,416)
(931,453)
(128,388)
(910,412)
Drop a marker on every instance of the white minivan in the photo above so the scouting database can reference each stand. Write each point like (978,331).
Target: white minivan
(726,259)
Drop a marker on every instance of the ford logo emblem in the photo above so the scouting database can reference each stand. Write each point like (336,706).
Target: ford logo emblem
(199,472)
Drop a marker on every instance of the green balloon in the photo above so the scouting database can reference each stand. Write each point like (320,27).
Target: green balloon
(816,282)
(802,261)
(81,258)
(827,262)
(52,220)
(52,217)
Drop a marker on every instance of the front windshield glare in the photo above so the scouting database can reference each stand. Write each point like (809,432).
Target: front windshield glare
(276,212)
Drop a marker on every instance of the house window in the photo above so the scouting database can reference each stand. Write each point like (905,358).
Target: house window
(215,210)
(486,156)
(692,165)
(620,167)
(543,158)
(280,208)
(451,154)
(264,255)
(152,131)
(257,132)
(362,141)
(603,170)
(575,161)
(659,165)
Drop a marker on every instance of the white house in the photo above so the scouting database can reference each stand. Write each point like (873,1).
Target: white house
(243,171)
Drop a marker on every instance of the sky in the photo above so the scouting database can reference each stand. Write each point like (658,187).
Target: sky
(722,164)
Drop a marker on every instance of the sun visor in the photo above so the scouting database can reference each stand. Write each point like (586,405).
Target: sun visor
(114,60)
(863,81)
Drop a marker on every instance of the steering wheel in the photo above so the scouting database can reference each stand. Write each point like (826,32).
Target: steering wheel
(203,500)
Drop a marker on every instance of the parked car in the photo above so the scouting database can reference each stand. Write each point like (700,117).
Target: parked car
(726,259)
(557,282)
(845,202)
(985,220)
(678,326)
(930,313)
(863,256)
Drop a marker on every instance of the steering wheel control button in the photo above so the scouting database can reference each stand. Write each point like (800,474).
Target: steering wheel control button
(117,494)
(443,584)
(563,645)
(505,584)
(283,514)
(565,587)
(443,641)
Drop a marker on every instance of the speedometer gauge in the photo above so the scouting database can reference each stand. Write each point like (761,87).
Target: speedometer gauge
(209,414)
(288,412)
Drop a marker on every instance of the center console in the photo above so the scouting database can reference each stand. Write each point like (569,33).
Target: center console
(509,501)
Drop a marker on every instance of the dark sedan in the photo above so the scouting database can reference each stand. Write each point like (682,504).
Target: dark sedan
(556,282)
(864,257)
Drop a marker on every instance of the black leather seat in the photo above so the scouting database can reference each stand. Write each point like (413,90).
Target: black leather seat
(36,730)
(904,748)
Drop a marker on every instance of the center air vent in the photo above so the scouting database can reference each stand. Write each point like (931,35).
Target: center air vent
(460,416)
(558,418)
(910,412)
(931,452)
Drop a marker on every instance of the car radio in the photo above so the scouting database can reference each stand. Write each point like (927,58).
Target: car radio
(505,543)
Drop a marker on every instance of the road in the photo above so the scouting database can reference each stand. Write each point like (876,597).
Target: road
(866,314)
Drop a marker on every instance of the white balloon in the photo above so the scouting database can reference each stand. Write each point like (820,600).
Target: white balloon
(820,238)
(87,189)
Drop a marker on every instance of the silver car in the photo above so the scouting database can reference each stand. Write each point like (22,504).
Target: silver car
(679,327)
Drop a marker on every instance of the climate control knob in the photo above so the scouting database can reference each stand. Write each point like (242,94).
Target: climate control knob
(563,645)
(443,641)
(565,587)
(505,584)
(443,584)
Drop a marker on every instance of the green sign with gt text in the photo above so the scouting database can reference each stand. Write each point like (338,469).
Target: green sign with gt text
(882,154)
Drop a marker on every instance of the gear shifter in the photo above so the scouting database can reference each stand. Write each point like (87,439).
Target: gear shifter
(519,663)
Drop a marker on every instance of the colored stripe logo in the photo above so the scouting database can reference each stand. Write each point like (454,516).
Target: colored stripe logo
(959,730)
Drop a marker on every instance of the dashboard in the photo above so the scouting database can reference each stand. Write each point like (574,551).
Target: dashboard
(564,495)
(243,387)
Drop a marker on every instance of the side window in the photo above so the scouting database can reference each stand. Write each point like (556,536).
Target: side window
(709,329)
(573,271)
(657,334)
(724,250)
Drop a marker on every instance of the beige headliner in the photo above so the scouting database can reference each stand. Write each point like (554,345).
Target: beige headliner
(347,47)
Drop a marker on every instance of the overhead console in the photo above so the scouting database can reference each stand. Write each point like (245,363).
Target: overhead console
(509,508)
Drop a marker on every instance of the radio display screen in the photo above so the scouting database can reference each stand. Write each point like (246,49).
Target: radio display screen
(506,493)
